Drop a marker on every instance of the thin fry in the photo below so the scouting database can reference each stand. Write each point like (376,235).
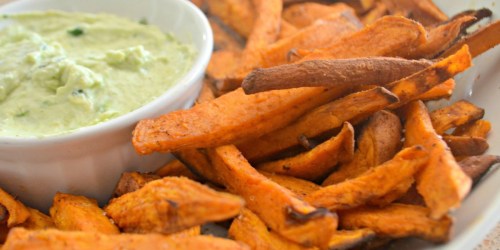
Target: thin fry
(441,182)
(480,41)
(374,183)
(170,205)
(459,113)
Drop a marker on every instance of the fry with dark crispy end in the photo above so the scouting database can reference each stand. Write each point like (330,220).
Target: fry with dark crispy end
(466,145)
(398,221)
(322,119)
(229,118)
(423,11)
(298,186)
(38,221)
(347,239)
(374,183)
(459,113)
(479,128)
(441,37)
(17,212)
(277,206)
(411,87)
(20,238)
(79,213)
(237,14)
(330,73)
(476,166)
(170,205)
(131,181)
(379,141)
(389,36)
(317,162)
(176,168)
(480,41)
(251,230)
(441,91)
(304,14)
(441,182)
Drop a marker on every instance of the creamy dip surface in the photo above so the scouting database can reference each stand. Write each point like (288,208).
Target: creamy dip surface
(61,71)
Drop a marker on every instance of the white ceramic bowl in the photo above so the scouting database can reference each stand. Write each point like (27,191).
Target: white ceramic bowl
(90,160)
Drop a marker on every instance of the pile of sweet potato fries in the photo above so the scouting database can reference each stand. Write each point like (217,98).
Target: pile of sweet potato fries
(310,132)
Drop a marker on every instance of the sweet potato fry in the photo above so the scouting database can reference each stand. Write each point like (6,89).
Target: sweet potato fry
(459,113)
(374,183)
(79,213)
(298,186)
(398,221)
(476,166)
(38,221)
(222,63)
(480,41)
(329,73)
(176,168)
(249,229)
(194,231)
(442,37)
(17,212)
(347,239)
(20,238)
(319,161)
(479,128)
(409,88)
(237,14)
(224,39)
(441,91)
(441,182)
(131,181)
(305,14)
(277,206)
(379,10)
(423,11)
(379,141)
(466,145)
(170,205)
(322,119)
(389,36)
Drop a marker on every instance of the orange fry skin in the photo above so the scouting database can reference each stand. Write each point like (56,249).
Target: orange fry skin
(298,186)
(442,183)
(479,128)
(456,114)
(17,212)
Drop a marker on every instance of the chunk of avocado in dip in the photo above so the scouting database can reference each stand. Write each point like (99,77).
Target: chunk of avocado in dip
(61,71)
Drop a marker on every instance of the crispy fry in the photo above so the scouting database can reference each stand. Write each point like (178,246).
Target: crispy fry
(224,39)
(466,145)
(374,183)
(298,186)
(476,166)
(410,88)
(319,161)
(398,221)
(459,113)
(441,91)
(305,14)
(347,239)
(423,11)
(329,73)
(322,119)
(20,238)
(249,229)
(480,41)
(17,212)
(79,213)
(441,182)
(131,181)
(277,206)
(479,128)
(237,14)
(378,142)
(388,36)
(176,168)
(170,205)
(38,221)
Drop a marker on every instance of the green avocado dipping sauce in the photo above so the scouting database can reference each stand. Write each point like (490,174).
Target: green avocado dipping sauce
(62,71)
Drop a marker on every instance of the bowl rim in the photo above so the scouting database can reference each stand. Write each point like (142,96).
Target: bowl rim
(131,118)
